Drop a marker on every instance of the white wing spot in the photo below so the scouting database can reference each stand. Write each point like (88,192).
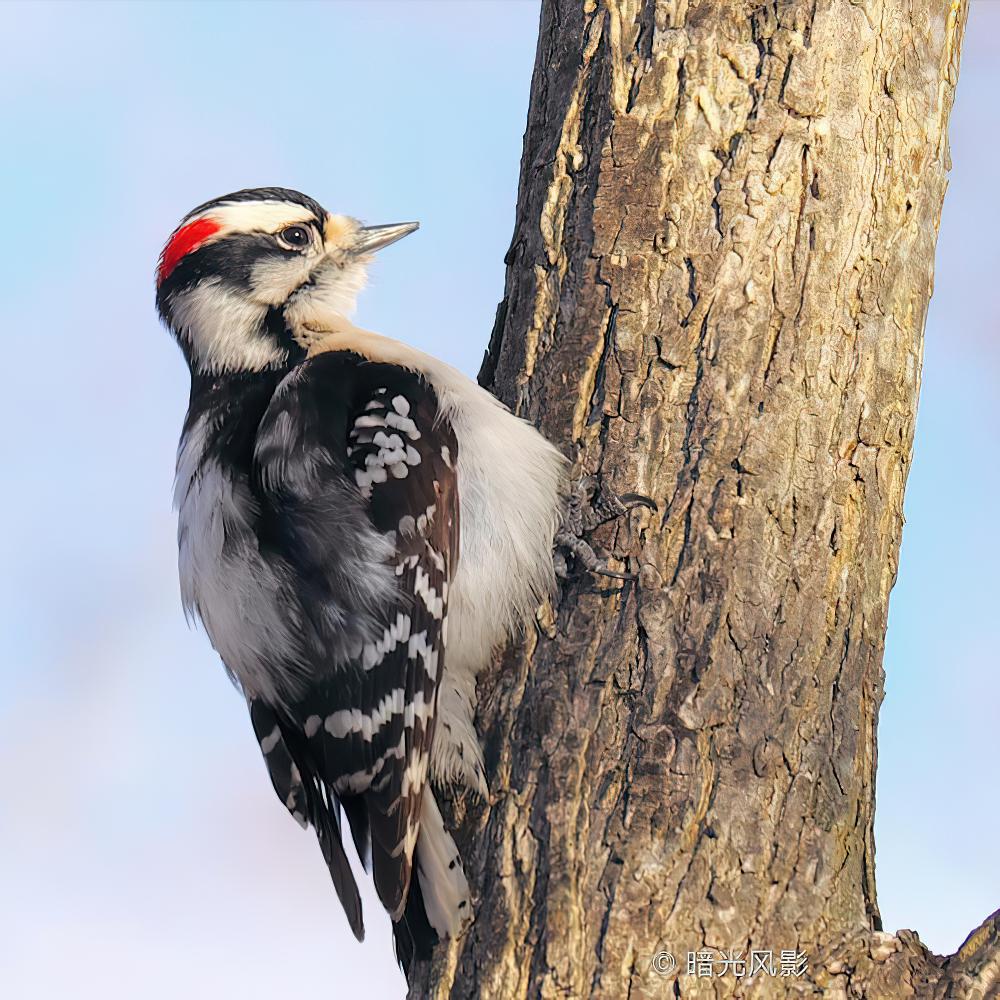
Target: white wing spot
(427,593)
(353,720)
(436,558)
(384,440)
(418,647)
(269,742)
(374,653)
(404,424)
(360,781)
(364,481)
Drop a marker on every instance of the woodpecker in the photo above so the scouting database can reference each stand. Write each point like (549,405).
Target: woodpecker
(359,526)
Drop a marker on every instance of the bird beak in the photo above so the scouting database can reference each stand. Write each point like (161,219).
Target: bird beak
(372,238)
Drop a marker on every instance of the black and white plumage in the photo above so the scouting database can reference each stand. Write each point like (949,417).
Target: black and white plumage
(359,526)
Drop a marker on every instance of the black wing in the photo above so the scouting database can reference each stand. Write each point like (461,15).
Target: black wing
(359,731)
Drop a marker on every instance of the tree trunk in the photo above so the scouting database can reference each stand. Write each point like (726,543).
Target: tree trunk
(715,296)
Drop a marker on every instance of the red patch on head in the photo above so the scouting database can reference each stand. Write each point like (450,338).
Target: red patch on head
(186,239)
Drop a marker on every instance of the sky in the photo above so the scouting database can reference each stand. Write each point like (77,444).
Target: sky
(142,851)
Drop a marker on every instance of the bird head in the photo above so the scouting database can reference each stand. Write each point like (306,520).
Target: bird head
(246,279)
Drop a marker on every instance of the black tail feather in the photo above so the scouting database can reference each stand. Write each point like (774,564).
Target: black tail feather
(327,825)
(357,818)
(307,797)
(412,934)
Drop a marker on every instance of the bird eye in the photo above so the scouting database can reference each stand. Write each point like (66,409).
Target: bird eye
(295,237)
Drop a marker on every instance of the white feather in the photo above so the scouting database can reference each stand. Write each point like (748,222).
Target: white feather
(439,869)
(224,328)
(228,595)
(266,216)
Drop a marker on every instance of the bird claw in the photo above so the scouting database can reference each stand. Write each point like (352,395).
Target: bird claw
(583,552)
(587,508)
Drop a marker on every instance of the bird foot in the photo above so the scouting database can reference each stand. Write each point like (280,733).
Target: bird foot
(587,508)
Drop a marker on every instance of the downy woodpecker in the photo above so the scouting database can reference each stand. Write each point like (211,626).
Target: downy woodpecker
(360,525)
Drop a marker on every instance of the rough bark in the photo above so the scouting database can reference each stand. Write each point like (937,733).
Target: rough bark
(715,296)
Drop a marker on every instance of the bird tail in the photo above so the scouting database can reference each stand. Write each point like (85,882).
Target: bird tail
(308,799)
(439,904)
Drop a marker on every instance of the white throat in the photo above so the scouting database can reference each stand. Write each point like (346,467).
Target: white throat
(225,327)
(225,330)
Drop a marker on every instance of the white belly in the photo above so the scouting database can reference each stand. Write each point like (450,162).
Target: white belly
(225,582)
(511,484)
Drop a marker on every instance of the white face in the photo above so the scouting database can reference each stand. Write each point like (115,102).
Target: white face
(270,254)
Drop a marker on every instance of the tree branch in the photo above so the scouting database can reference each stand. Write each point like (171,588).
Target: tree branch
(715,296)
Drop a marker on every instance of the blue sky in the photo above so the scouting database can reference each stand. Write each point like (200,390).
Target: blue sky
(139,840)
